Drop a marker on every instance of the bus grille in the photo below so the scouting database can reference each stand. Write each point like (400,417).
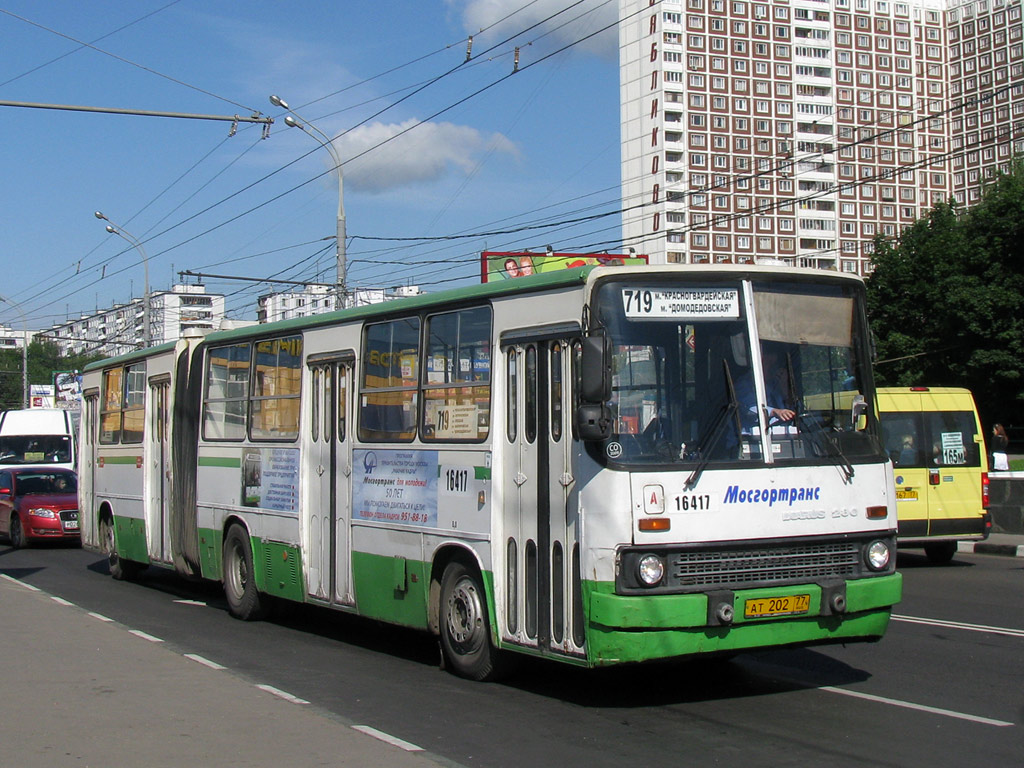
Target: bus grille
(764,565)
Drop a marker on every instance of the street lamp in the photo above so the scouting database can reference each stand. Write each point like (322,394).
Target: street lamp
(294,121)
(24,350)
(119,231)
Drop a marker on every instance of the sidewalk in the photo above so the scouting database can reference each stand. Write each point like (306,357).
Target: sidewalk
(996,544)
(83,691)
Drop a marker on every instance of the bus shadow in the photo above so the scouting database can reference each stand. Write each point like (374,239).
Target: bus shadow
(685,681)
(913,559)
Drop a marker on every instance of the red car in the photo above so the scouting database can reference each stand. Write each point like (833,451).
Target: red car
(38,504)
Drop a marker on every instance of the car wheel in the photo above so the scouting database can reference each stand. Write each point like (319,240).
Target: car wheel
(120,569)
(244,599)
(940,553)
(17,534)
(465,627)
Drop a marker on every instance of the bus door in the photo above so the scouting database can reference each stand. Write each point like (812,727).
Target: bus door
(157,480)
(87,465)
(542,578)
(330,462)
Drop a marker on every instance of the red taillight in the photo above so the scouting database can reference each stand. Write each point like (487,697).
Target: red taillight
(984,489)
(919,389)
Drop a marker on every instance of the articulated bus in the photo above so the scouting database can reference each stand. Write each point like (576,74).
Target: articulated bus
(590,466)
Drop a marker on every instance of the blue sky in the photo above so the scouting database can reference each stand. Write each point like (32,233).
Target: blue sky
(469,148)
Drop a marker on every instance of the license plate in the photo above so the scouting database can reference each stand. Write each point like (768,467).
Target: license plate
(71,525)
(907,495)
(787,605)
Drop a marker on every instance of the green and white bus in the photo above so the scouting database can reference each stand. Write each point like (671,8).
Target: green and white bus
(586,466)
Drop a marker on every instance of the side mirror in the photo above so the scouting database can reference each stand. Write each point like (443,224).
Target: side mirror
(596,369)
(594,421)
(859,413)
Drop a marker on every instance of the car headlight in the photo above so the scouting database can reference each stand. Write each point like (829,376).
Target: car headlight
(651,570)
(877,555)
(41,512)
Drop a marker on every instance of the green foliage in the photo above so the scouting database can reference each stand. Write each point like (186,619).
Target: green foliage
(946,301)
(44,359)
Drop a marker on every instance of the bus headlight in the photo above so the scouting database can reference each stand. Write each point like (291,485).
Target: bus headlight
(651,570)
(877,555)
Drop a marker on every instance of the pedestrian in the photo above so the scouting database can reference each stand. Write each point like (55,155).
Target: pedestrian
(1000,442)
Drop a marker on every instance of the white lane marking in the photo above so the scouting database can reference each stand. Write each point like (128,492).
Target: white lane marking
(205,662)
(61,600)
(387,737)
(961,625)
(190,602)
(145,635)
(918,707)
(282,694)
(100,616)
(19,582)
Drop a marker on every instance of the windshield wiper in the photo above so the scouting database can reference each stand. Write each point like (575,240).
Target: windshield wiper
(709,440)
(825,443)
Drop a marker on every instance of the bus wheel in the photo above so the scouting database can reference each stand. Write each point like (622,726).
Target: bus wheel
(16,533)
(465,629)
(940,553)
(122,570)
(243,598)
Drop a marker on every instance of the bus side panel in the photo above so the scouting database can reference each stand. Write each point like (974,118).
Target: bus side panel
(118,485)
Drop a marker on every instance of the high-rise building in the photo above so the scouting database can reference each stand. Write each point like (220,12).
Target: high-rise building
(120,329)
(800,130)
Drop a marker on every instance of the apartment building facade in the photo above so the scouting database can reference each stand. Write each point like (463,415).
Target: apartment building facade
(120,329)
(799,130)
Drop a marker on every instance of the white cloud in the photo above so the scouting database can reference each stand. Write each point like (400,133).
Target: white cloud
(575,24)
(419,153)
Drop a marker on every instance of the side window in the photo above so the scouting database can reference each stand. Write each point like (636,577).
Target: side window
(5,480)
(387,406)
(276,389)
(134,421)
(314,405)
(512,402)
(457,387)
(328,403)
(556,391)
(110,412)
(343,376)
(903,438)
(530,426)
(227,390)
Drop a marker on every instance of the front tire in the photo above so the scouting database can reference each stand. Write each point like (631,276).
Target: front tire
(17,534)
(465,627)
(244,599)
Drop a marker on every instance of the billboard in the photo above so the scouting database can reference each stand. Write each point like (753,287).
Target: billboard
(505,265)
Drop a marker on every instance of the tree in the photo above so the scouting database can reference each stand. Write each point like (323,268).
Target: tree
(44,359)
(946,300)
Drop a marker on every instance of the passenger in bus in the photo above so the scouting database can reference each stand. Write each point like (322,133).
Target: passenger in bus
(908,453)
(779,399)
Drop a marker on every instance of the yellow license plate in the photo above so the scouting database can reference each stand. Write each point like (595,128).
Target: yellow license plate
(907,495)
(787,605)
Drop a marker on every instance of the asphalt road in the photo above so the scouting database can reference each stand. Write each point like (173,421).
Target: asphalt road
(944,688)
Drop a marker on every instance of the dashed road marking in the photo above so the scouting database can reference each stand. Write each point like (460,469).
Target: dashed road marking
(281,694)
(387,738)
(205,662)
(145,635)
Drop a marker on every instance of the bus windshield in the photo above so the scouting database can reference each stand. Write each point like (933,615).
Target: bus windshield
(35,449)
(690,385)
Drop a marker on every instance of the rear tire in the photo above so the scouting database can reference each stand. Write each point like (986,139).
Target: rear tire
(940,553)
(17,534)
(465,627)
(120,569)
(244,599)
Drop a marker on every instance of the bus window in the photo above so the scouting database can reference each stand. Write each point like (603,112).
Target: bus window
(110,414)
(456,390)
(276,388)
(512,397)
(387,410)
(531,394)
(556,392)
(227,389)
(314,406)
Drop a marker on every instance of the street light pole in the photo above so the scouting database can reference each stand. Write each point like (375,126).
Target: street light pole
(24,350)
(294,121)
(119,231)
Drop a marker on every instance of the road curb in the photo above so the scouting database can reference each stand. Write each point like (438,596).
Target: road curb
(987,548)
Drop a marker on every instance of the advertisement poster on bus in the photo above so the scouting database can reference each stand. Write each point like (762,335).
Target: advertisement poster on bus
(506,265)
(270,478)
(395,487)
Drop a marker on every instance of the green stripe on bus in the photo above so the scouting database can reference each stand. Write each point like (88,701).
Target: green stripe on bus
(220,461)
